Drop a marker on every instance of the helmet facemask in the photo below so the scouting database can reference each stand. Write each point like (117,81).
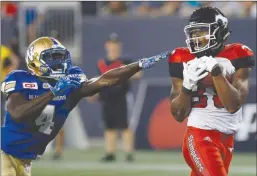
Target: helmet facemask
(55,62)
(201,36)
(207,31)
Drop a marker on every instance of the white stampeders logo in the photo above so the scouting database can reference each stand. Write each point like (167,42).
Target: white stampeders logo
(193,153)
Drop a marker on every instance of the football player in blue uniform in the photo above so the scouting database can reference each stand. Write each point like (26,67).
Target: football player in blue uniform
(39,101)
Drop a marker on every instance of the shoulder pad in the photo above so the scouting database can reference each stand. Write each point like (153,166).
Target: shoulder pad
(236,51)
(17,81)
(180,55)
(240,55)
(176,59)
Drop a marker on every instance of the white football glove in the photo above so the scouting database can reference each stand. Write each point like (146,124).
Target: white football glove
(192,73)
(228,68)
(209,61)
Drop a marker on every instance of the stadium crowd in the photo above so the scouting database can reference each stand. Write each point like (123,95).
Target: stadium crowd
(166,8)
(238,9)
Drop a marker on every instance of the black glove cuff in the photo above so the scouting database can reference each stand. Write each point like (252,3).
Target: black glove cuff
(185,90)
(217,70)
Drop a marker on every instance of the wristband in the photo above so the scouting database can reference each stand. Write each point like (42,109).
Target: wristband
(185,90)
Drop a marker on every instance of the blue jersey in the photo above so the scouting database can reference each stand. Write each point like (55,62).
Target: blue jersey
(28,139)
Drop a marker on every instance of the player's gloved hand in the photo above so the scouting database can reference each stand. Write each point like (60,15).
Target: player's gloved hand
(149,62)
(212,65)
(75,72)
(192,73)
(228,68)
(209,61)
(64,84)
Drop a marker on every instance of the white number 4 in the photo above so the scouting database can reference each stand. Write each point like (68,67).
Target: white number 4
(45,120)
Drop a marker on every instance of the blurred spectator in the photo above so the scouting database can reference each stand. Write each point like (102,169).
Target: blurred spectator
(171,8)
(114,8)
(228,8)
(234,9)
(183,9)
(237,9)
(187,8)
(253,10)
(34,17)
(8,9)
(144,8)
(249,8)
(114,102)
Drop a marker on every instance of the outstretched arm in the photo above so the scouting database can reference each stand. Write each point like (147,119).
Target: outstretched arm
(112,77)
(118,75)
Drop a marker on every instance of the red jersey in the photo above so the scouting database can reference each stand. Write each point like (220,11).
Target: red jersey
(205,99)
(240,56)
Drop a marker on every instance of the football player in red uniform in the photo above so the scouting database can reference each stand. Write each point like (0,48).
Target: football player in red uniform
(210,83)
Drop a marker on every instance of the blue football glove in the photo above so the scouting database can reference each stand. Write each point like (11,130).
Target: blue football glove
(149,62)
(76,72)
(64,84)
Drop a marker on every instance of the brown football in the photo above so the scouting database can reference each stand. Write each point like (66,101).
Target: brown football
(208,82)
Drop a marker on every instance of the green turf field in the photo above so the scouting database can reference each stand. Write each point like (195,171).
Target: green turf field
(86,163)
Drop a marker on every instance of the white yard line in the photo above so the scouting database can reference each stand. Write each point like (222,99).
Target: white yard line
(129,166)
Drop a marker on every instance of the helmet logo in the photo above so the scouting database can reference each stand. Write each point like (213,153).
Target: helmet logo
(223,19)
(44,69)
(30,53)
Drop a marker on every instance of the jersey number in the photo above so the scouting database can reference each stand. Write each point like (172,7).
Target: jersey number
(45,120)
(200,100)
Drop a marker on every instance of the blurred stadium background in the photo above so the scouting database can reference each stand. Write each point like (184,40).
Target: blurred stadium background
(145,28)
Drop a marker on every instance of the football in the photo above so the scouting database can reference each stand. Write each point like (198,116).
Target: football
(208,81)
